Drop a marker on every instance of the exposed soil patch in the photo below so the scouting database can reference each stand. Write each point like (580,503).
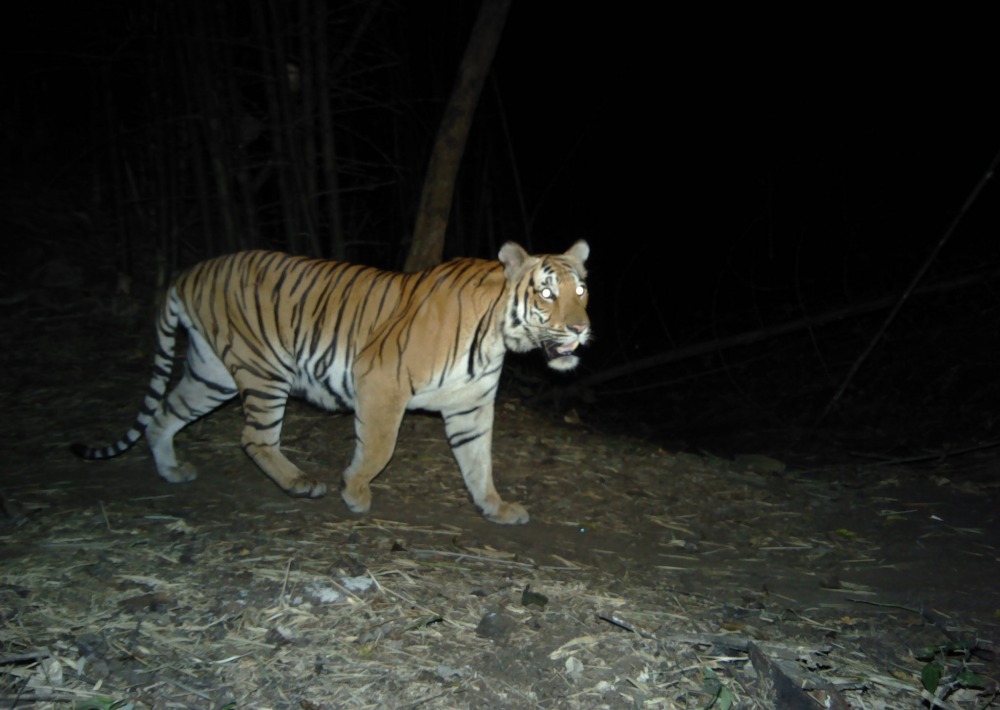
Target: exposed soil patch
(646,577)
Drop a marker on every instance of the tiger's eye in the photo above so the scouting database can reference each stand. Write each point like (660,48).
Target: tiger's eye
(580,290)
(547,294)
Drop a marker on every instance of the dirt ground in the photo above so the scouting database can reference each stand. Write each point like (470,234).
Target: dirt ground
(646,578)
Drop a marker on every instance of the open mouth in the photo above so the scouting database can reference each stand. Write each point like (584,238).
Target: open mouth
(554,351)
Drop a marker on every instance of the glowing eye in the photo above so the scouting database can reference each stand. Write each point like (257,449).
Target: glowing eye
(580,290)
(547,294)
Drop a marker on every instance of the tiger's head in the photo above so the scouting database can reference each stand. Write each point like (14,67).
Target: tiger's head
(548,304)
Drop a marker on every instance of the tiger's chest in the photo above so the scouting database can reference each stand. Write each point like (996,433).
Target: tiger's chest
(459,391)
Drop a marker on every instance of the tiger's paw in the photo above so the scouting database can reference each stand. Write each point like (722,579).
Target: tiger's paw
(303,487)
(358,500)
(181,473)
(508,514)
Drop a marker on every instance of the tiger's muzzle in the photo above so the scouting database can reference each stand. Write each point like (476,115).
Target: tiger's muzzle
(561,353)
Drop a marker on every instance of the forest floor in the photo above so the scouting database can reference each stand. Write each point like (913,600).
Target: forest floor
(647,577)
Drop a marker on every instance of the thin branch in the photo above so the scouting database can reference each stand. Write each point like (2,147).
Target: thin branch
(755,336)
(913,284)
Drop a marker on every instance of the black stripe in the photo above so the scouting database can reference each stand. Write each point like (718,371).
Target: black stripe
(466,440)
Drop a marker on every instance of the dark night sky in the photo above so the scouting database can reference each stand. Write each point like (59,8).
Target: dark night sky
(700,134)
(714,156)
(727,158)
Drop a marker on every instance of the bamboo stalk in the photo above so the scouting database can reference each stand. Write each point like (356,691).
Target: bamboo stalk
(271,68)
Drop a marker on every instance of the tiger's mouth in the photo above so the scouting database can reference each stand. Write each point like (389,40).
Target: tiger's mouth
(557,350)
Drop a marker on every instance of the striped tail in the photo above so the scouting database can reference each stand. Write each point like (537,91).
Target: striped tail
(166,338)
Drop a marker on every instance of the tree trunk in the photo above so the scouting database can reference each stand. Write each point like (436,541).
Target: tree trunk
(427,247)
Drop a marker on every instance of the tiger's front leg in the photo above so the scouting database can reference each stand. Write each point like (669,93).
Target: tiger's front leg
(470,433)
(376,426)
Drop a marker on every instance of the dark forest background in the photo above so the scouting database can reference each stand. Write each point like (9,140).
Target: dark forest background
(759,189)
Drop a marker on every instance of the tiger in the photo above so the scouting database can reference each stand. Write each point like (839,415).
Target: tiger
(266,326)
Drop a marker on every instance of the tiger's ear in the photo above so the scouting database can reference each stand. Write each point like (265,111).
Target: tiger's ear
(512,256)
(579,251)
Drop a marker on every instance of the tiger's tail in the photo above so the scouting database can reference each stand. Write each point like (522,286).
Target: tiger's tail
(163,359)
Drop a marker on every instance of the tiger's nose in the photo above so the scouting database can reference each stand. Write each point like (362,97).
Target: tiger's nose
(578,328)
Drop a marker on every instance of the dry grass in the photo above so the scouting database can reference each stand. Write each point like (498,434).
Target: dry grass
(654,579)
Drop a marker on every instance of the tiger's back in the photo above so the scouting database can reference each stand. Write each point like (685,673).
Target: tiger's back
(267,325)
(313,318)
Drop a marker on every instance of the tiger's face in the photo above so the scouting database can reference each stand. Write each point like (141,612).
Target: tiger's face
(548,305)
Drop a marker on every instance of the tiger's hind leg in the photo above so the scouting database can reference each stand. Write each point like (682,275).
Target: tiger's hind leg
(204,386)
(263,412)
